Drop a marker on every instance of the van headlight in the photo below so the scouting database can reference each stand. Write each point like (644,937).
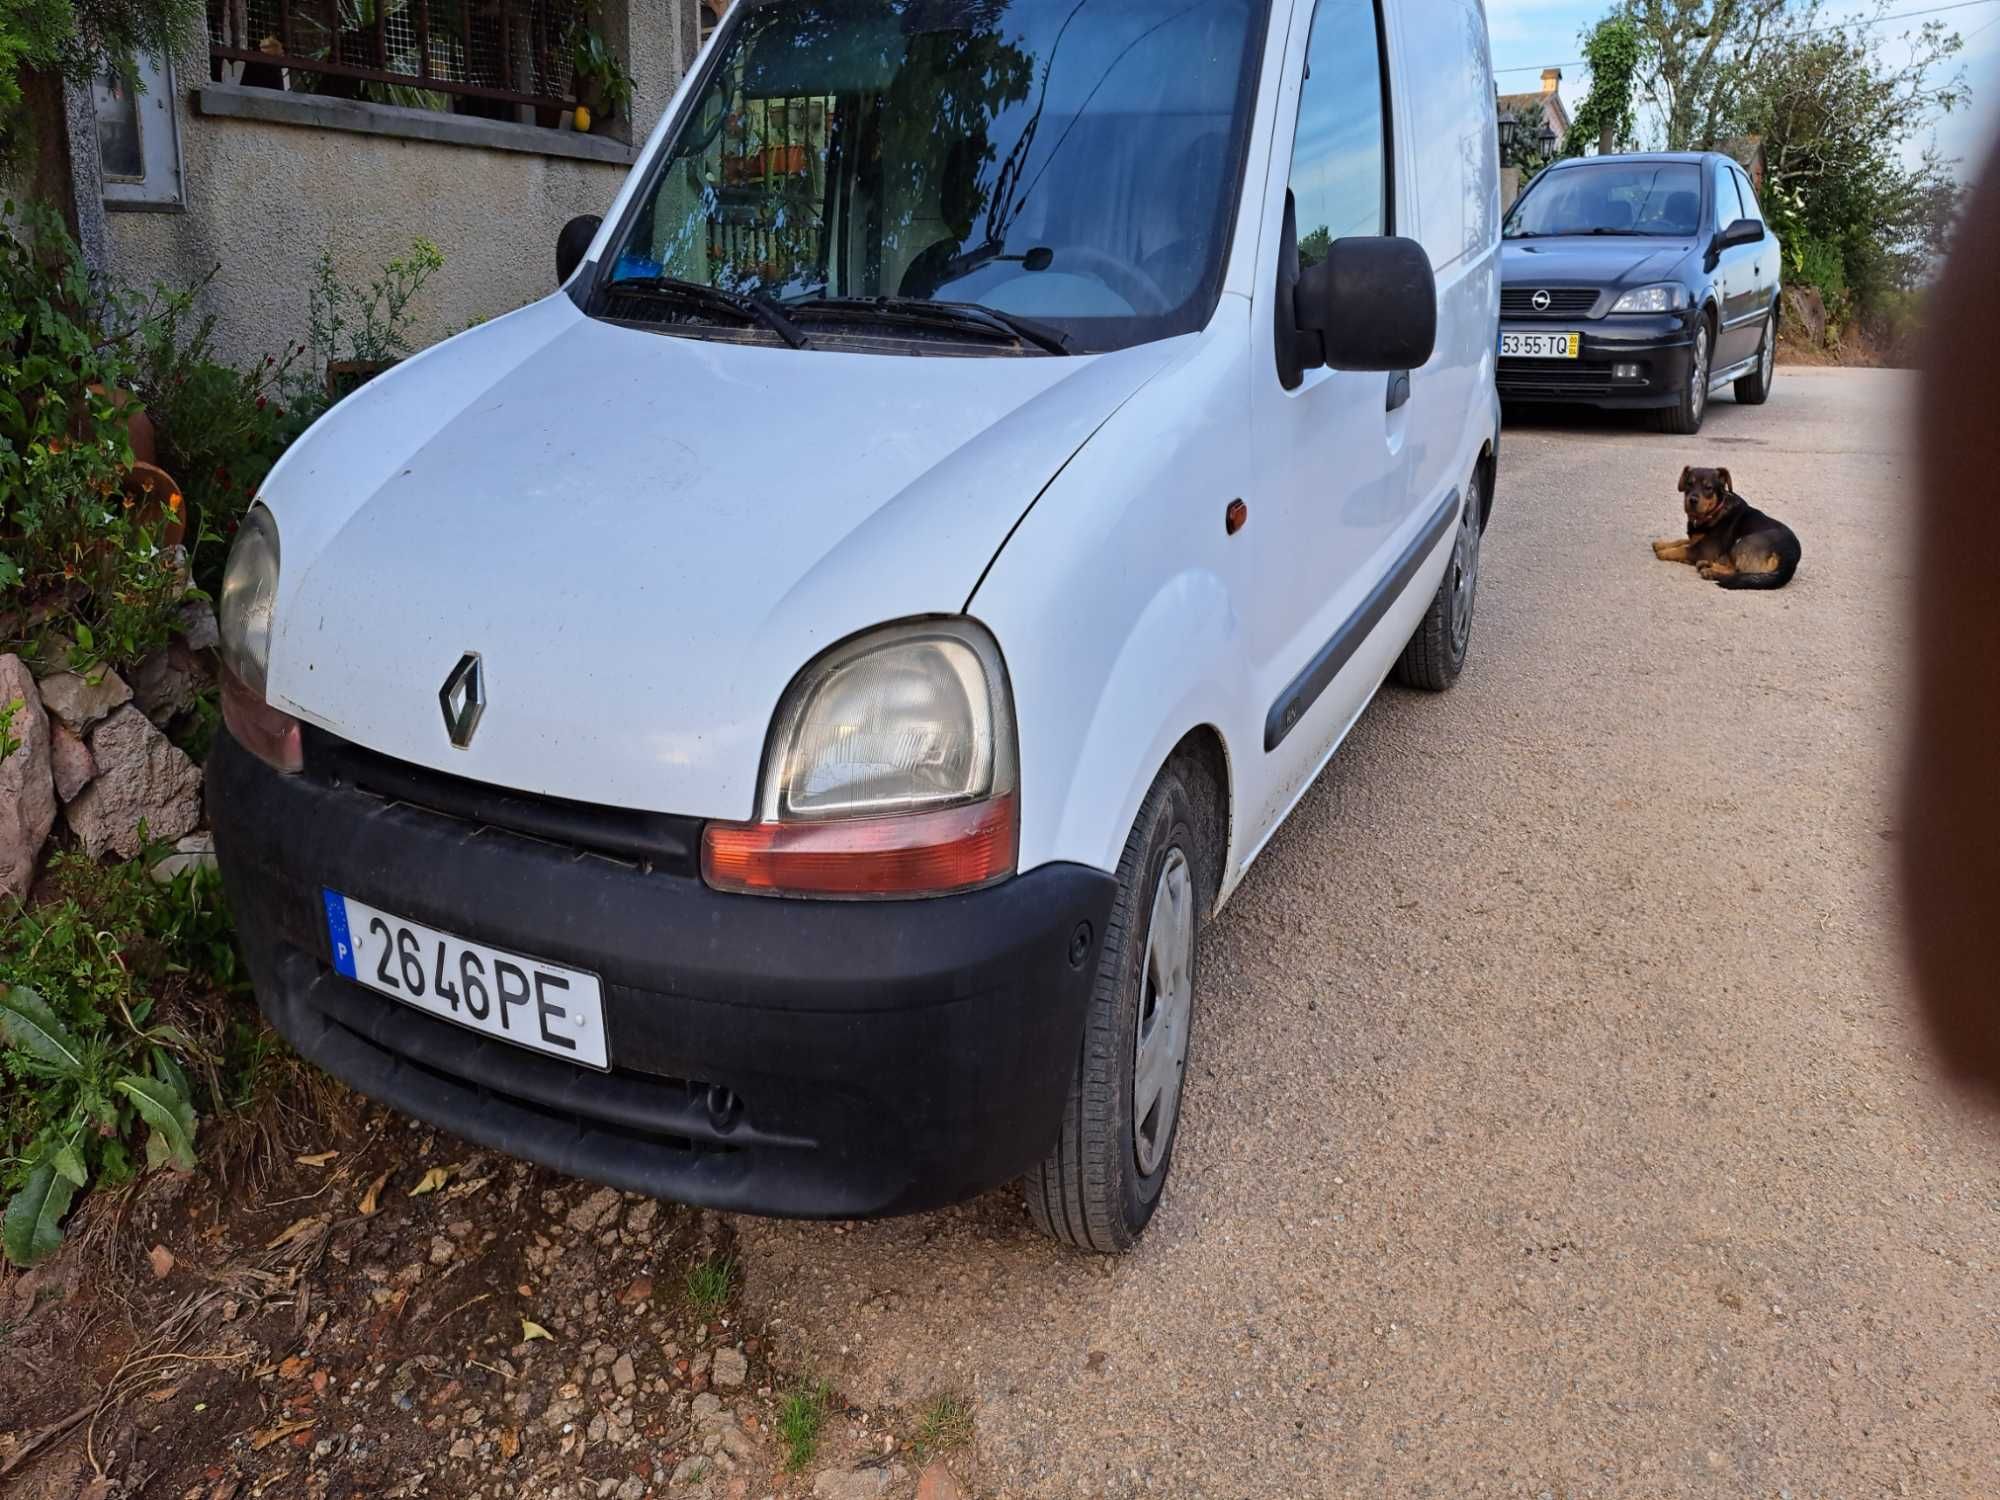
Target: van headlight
(249,591)
(1667,297)
(243,619)
(891,770)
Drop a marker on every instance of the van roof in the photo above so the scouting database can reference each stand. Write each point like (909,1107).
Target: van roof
(1686,156)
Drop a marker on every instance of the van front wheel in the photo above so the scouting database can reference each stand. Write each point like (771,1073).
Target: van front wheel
(1436,653)
(1099,1185)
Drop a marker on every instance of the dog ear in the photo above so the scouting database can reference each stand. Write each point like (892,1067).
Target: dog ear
(1686,475)
(1728,486)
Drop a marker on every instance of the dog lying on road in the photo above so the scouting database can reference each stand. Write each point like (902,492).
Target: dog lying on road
(1729,541)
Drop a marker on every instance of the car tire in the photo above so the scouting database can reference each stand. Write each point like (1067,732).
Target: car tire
(1684,416)
(1754,389)
(1436,653)
(1100,1183)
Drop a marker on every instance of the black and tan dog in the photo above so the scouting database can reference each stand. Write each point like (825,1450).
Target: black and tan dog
(1729,541)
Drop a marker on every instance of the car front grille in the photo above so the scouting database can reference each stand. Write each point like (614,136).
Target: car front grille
(1564,301)
(1553,379)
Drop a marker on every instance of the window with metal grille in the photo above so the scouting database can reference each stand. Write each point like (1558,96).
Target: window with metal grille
(485,57)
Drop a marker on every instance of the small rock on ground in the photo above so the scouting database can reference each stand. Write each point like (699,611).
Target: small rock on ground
(142,777)
(79,702)
(853,1484)
(938,1483)
(731,1368)
(27,789)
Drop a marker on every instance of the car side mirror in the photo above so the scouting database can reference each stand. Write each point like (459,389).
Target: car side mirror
(1742,232)
(572,242)
(1371,304)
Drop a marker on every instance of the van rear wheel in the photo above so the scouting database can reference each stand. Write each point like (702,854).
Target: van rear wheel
(1436,653)
(1099,1185)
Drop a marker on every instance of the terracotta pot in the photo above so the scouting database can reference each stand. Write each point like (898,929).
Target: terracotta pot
(156,503)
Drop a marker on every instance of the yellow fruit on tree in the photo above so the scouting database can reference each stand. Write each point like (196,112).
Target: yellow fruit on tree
(583,117)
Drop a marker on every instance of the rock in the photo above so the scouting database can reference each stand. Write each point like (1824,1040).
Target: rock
(937,1483)
(141,778)
(70,758)
(623,1375)
(730,1368)
(641,1217)
(198,627)
(691,1470)
(736,1443)
(167,682)
(632,1489)
(464,1448)
(195,852)
(27,784)
(851,1484)
(80,702)
(707,1410)
(593,1211)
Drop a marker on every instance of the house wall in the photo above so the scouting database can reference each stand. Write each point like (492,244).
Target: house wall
(265,195)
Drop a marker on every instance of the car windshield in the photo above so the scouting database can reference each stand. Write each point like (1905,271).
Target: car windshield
(1072,162)
(1640,197)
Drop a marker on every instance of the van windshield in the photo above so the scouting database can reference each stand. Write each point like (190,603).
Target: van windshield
(1658,198)
(1070,162)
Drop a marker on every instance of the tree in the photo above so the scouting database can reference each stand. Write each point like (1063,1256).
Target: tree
(1694,56)
(1606,116)
(1833,116)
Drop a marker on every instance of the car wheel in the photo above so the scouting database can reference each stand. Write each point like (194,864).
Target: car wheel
(1099,1185)
(1685,415)
(1435,655)
(1754,389)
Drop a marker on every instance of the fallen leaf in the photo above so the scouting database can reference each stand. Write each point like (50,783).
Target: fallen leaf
(162,1261)
(510,1443)
(431,1181)
(469,1186)
(262,1440)
(293,1368)
(370,1200)
(530,1331)
(317,1159)
(164,1393)
(298,1229)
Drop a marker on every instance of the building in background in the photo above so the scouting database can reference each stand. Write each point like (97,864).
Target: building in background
(288,128)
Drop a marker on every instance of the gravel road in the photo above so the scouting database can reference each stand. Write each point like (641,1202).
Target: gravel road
(1558,1124)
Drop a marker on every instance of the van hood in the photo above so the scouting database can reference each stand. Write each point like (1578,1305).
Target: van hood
(644,537)
(1602,260)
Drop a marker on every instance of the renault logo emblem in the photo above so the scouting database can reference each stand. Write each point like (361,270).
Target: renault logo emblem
(1540,301)
(463,699)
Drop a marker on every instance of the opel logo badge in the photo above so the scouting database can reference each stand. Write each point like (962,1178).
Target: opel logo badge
(463,699)
(1540,301)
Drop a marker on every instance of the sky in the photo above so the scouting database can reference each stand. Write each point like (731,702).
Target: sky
(1529,35)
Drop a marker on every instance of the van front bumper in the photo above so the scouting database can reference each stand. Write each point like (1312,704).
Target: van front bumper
(1658,345)
(828,1059)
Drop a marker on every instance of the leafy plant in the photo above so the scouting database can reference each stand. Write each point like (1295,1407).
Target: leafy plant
(599,71)
(89,1064)
(9,744)
(371,325)
(77,39)
(944,1423)
(79,546)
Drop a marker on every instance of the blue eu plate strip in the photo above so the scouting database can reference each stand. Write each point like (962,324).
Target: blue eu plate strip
(336,927)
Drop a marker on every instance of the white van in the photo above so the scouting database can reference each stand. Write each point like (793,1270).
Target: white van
(766,726)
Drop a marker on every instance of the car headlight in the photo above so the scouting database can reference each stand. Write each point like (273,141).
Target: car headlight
(891,770)
(1667,297)
(249,591)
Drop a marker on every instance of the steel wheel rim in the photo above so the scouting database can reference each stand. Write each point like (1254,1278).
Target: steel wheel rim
(1770,352)
(1465,571)
(1698,376)
(1166,1006)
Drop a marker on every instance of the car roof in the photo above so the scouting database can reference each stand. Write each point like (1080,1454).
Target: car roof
(1659,156)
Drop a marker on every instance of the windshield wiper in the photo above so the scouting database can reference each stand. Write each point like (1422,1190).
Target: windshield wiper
(969,316)
(751,307)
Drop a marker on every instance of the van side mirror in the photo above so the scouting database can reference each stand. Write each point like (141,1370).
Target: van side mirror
(1370,305)
(1742,232)
(571,243)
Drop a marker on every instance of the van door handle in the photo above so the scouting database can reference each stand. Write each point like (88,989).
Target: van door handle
(1399,388)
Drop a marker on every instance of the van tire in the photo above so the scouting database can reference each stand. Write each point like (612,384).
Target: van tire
(1436,653)
(1092,1190)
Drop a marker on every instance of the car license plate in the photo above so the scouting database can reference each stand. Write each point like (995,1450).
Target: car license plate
(1540,345)
(541,1006)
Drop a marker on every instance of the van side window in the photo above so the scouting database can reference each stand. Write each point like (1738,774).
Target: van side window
(1340,155)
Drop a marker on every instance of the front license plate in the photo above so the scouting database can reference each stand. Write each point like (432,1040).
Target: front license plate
(541,1006)
(1540,345)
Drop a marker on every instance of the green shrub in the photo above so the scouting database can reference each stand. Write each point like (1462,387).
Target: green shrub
(79,557)
(102,1033)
